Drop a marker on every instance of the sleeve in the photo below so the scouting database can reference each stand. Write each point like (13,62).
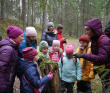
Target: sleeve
(103,53)
(5,59)
(22,46)
(79,70)
(32,76)
(60,67)
(43,38)
(92,75)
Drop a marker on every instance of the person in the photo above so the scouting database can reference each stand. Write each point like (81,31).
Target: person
(9,58)
(60,37)
(50,34)
(0,36)
(69,70)
(55,52)
(87,67)
(30,80)
(107,30)
(43,54)
(29,40)
(100,50)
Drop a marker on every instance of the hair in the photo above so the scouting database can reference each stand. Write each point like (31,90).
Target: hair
(28,40)
(60,26)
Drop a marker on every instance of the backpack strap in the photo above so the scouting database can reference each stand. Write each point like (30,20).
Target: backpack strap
(62,60)
(75,60)
(100,39)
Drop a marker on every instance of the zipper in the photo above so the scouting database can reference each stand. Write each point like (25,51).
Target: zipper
(11,73)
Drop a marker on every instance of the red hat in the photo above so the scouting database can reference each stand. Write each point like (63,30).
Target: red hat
(29,53)
(69,49)
(84,38)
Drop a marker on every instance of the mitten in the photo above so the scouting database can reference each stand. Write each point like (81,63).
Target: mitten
(50,75)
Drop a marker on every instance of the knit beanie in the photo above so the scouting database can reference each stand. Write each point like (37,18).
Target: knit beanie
(43,44)
(107,28)
(69,49)
(84,38)
(56,42)
(50,24)
(31,31)
(29,53)
(13,31)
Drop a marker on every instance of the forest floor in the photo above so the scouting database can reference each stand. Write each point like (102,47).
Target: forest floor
(96,83)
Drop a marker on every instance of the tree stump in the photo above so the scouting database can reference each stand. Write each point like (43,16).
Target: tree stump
(53,85)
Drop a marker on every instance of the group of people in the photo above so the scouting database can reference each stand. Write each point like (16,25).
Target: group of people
(21,55)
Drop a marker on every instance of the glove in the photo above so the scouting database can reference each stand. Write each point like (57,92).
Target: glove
(50,75)
(78,55)
(39,60)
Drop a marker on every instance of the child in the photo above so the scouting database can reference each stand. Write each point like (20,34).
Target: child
(69,70)
(30,79)
(60,37)
(43,54)
(87,67)
(29,40)
(55,52)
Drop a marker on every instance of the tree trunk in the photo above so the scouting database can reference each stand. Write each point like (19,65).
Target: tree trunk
(2,9)
(24,14)
(44,20)
(32,13)
(28,14)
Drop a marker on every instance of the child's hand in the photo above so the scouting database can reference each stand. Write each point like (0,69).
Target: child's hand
(78,80)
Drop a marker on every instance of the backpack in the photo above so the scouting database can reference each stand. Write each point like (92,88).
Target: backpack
(101,68)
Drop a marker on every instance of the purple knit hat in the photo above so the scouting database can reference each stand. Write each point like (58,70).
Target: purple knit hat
(29,53)
(13,31)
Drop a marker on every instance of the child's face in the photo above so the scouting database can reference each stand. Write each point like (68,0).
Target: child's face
(83,44)
(35,58)
(32,37)
(69,55)
(60,30)
(56,47)
(44,50)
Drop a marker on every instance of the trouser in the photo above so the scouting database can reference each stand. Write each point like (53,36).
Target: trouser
(106,86)
(66,85)
(84,87)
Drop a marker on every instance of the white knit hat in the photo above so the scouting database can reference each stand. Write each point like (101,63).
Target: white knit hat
(31,31)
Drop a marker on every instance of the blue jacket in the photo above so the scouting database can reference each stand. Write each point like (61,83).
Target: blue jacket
(49,37)
(69,71)
(29,69)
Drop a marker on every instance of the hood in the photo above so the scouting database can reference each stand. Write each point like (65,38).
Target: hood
(96,25)
(24,64)
(25,34)
(53,33)
(7,41)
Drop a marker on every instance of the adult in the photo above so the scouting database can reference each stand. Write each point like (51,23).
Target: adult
(100,50)
(9,58)
(50,34)
(29,40)
(60,37)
